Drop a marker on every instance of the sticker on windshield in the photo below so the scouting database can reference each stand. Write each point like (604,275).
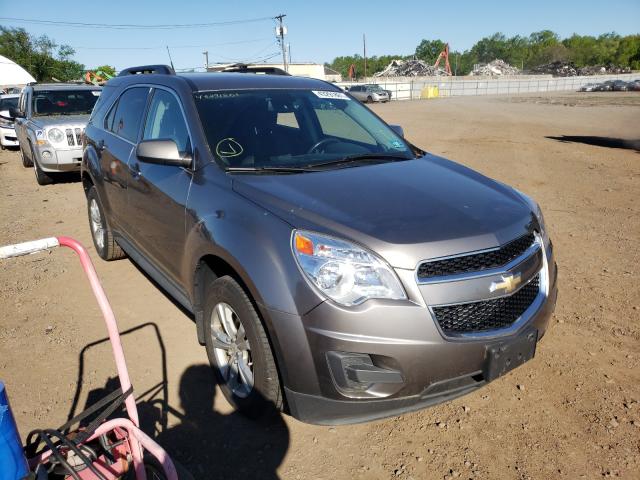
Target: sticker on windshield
(228,147)
(396,144)
(330,95)
(96,93)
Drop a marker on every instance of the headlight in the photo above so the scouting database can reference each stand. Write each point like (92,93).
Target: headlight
(344,272)
(540,217)
(535,208)
(55,135)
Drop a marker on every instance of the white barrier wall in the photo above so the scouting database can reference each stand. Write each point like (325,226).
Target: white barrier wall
(458,86)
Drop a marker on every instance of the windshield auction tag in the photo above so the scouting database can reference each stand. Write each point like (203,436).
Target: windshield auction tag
(96,93)
(330,95)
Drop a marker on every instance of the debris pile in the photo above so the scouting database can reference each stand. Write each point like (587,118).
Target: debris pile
(568,69)
(557,69)
(410,68)
(495,68)
(600,69)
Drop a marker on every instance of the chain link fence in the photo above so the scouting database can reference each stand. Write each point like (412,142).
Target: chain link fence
(416,88)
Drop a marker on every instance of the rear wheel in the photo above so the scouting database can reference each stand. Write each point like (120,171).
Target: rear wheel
(101,234)
(239,350)
(26,161)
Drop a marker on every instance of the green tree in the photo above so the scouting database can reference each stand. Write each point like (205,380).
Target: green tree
(428,50)
(628,52)
(42,57)
(108,69)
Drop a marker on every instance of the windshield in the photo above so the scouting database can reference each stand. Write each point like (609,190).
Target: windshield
(64,102)
(7,103)
(292,128)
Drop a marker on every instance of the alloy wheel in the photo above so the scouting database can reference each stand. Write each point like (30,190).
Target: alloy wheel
(97,229)
(232,350)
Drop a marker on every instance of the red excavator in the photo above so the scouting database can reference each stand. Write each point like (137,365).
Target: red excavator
(444,54)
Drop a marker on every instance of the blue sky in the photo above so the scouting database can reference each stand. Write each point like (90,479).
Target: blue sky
(317,31)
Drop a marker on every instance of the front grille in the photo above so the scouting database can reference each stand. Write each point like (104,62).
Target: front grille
(69,133)
(78,133)
(476,261)
(488,314)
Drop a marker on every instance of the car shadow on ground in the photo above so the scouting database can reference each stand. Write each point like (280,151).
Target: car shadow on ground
(608,142)
(202,441)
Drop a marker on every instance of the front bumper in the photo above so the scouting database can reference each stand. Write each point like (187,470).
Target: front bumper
(399,337)
(379,97)
(8,137)
(59,160)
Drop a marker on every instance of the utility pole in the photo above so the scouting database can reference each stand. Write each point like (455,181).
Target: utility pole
(280,30)
(206,60)
(364,47)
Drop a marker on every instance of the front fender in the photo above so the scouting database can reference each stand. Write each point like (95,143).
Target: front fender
(256,244)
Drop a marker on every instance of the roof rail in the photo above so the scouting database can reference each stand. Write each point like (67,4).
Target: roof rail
(244,68)
(147,69)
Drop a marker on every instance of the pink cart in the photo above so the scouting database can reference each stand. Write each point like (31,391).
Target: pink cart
(101,449)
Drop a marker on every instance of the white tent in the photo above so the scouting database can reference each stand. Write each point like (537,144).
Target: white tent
(12,74)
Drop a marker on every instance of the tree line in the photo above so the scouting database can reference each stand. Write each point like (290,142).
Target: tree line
(42,57)
(524,52)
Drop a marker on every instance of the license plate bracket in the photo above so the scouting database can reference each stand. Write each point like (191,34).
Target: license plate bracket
(504,357)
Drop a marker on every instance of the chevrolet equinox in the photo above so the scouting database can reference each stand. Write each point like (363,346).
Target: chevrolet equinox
(333,269)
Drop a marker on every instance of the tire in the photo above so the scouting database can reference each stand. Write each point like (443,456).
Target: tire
(101,234)
(369,99)
(26,162)
(43,178)
(228,309)
(152,468)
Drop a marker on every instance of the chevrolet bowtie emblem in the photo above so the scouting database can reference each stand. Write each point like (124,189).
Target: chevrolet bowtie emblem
(508,284)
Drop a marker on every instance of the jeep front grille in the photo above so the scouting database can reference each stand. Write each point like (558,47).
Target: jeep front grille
(488,314)
(476,261)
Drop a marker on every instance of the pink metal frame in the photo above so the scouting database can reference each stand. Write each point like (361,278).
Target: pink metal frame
(137,438)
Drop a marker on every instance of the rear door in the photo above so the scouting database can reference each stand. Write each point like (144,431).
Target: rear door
(157,194)
(122,127)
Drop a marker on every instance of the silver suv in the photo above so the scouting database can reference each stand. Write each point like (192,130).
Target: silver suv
(50,120)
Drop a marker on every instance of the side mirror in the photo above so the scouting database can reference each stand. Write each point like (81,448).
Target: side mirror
(398,129)
(162,152)
(15,113)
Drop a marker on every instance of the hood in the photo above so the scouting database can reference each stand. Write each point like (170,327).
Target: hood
(60,120)
(405,211)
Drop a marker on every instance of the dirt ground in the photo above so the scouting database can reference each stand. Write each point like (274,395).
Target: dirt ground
(572,412)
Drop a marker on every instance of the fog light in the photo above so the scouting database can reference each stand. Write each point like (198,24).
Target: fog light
(355,372)
(46,155)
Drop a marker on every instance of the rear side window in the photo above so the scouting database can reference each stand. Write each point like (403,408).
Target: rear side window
(125,119)
(165,120)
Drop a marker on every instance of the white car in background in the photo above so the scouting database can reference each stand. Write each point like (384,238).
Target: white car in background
(7,130)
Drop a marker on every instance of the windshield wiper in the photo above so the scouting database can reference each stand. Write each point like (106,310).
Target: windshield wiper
(375,157)
(270,169)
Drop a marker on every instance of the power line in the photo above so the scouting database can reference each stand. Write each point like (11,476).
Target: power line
(124,26)
(239,42)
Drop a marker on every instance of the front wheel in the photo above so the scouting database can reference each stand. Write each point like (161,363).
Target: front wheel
(369,99)
(239,350)
(26,161)
(43,178)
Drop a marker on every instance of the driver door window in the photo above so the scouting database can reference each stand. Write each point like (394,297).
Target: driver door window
(165,121)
